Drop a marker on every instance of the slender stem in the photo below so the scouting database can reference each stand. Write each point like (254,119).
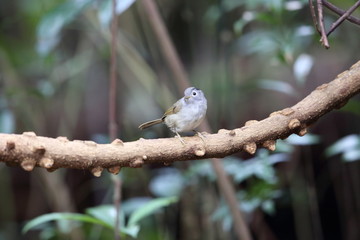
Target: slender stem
(240,227)
(313,15)
(323,39)
(117,203)
(113,127)
(112,85)
(166,44)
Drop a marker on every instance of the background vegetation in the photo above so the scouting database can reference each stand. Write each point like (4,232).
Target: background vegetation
(249,57)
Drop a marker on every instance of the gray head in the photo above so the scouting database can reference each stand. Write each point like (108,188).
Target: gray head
(193,94)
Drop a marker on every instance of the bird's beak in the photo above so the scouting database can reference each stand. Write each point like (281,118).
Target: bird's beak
(187,97)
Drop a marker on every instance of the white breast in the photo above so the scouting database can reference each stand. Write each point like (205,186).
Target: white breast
(188,118)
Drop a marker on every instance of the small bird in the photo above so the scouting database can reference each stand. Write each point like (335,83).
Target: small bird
(184,115)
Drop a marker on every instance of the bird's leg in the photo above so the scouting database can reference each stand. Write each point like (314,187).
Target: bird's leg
(200,135)
(181,140)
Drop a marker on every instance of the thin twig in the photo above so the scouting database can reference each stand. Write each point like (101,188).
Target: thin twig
(168,50)
(313,15)
(228,191)
(343,17)
(340,12)
(117,203)
(113,127)
(112,85)
(324,39)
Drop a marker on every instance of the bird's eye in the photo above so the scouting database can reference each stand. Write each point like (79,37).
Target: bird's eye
(194,93)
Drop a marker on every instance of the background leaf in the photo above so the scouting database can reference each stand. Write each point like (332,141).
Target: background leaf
(149,208)
(278,86)
(7,121)
(105,10)
(48,31)
(167,182)
(302,67)
(343,145)
(61,216)
(308,139)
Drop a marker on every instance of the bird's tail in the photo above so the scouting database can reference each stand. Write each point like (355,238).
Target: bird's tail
(150,123)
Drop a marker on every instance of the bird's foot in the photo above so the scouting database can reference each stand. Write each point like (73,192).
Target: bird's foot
(200,135)
(180,138)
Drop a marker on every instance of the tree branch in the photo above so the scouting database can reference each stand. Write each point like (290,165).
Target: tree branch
(29,150)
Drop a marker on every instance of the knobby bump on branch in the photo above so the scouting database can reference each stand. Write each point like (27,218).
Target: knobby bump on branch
(28,150)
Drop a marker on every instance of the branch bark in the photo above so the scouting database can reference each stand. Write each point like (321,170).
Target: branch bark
(28,150)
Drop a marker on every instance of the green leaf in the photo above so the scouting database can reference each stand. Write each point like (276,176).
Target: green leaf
(130,205)
(7,121)
(229,5)
(61,216)
(105,10)
(105,213)
(52,23)
(259,42)
(302,67)
(203,169)
(268,206)
(352,155)
(168,182)
(283,146)
(278,86)
(308,139)
(239,26)
(259,166)
(343,145)
(293,5)
(149,208)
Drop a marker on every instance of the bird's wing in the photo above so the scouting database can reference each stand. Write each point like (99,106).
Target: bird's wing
(173,109)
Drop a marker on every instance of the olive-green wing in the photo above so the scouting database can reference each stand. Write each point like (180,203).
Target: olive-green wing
(173,109)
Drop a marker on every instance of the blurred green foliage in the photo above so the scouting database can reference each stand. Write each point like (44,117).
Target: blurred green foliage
(249,57)
(348,146)
(103,215)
